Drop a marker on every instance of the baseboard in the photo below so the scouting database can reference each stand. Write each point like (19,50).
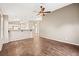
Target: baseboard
(56,39)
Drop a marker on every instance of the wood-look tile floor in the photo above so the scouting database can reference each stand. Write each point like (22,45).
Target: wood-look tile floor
(55,48)
(48,48)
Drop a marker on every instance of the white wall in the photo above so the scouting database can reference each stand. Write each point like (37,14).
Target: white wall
(62,25)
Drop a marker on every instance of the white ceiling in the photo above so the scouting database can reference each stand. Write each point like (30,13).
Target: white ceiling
(25,11)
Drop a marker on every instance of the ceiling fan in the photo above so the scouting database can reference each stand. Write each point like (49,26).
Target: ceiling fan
(42,11)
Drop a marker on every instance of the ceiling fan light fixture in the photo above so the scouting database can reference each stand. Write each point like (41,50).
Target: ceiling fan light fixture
(42,11)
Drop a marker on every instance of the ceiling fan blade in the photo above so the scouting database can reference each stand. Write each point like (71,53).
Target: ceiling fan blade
(47,12)
(43,14)
(42,9)
(41,6)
